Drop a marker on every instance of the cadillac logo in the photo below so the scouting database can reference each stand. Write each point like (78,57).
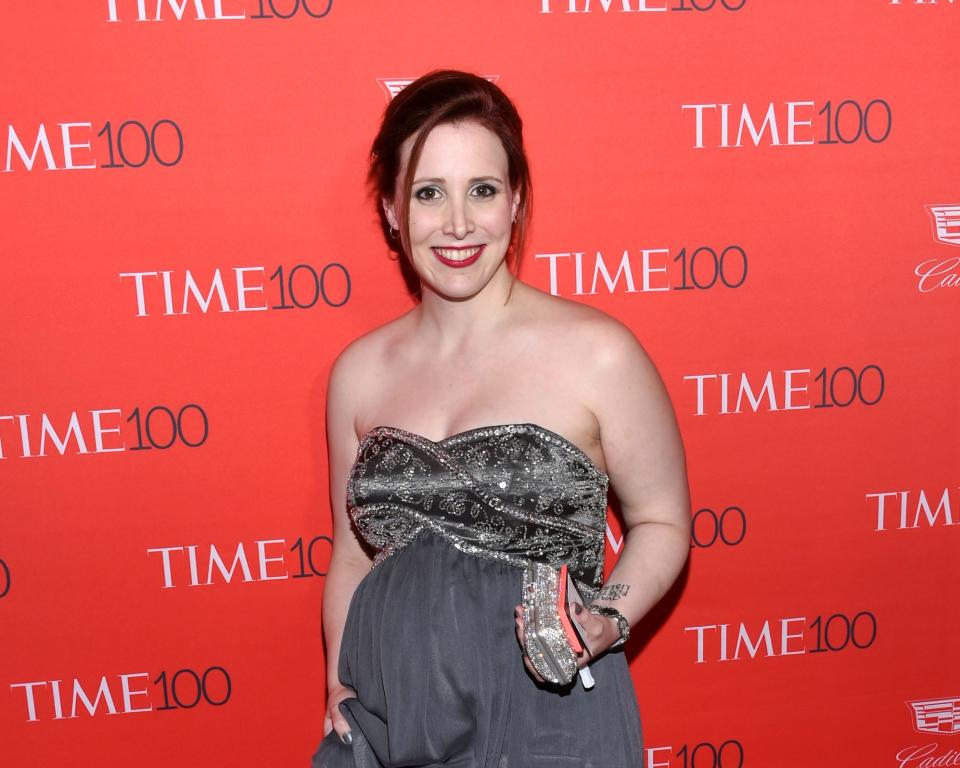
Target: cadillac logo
(936,715)
(946,223)
(393,85)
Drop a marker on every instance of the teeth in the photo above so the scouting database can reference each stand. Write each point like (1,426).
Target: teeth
(457,255)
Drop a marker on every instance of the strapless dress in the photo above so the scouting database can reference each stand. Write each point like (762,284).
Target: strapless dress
(429,643)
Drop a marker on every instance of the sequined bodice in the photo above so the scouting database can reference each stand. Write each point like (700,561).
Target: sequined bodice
(513,492)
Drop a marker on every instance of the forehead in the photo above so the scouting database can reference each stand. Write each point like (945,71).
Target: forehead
(467,147)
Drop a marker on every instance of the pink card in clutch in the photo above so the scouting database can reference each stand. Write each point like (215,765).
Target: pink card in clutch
(570,596)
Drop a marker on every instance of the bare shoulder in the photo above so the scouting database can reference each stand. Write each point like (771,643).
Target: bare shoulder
(597,341)
(599,362)
(616,380)
(371,348)
(356,370)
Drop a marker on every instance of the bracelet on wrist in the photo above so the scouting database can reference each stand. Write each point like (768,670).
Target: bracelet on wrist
(623,626)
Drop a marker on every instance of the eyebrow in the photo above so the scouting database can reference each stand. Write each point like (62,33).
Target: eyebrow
(474,179)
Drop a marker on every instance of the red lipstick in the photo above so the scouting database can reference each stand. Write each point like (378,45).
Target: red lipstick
(458,263)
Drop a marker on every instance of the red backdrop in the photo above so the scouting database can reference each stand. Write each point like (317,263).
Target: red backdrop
(766,192)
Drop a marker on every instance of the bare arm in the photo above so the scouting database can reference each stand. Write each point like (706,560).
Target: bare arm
(342,580)
(349,562)
(645,461)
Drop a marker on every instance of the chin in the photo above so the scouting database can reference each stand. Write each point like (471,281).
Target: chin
(456,291)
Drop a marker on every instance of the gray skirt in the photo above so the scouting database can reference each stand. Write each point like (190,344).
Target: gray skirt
(429,646)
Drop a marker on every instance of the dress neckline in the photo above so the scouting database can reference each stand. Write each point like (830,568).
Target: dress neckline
(571,446)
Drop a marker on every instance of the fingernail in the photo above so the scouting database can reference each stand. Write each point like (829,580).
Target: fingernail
(347,738)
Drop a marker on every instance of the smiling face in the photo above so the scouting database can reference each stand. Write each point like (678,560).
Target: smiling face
(460,209)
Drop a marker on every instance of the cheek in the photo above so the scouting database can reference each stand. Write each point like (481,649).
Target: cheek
(497,221)
(422,226)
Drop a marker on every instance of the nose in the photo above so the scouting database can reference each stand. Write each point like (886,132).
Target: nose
(459,221)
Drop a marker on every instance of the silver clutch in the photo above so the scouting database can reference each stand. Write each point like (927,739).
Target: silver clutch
(546,640)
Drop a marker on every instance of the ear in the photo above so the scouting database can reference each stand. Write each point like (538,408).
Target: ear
(390,213)
(516,204)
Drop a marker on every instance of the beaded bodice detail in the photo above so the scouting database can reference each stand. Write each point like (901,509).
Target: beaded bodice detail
(518,493)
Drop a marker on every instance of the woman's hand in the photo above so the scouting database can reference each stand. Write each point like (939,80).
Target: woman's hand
(601,632)
(335,718)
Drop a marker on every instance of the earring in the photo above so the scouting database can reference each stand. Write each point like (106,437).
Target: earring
(394,232)
(514,218)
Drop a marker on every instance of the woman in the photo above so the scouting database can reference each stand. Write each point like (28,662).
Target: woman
(473,435)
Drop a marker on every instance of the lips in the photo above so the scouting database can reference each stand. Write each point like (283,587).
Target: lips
(458,256)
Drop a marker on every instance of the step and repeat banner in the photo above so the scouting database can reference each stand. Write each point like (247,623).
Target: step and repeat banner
(766,192)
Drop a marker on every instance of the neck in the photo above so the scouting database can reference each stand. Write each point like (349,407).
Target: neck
(451,325)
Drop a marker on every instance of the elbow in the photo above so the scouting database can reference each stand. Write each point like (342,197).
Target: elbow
(683,528)
(684,531)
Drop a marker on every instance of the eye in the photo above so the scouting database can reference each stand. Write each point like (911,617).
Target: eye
(485,190)
(427,194)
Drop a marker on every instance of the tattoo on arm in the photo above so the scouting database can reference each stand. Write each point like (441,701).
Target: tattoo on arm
(613,591)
